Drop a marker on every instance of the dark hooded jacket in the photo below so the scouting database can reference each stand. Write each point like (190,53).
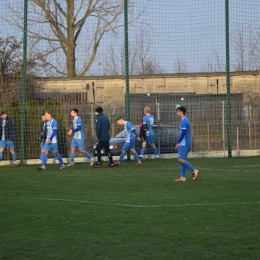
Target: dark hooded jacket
(102,128)
(10,129)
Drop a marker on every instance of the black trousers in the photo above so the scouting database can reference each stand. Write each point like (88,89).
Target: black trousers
(105,145)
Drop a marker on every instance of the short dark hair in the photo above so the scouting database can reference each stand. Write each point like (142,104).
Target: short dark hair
(48,112)
(3,113)
(119,118)
(75,110)
(43,114)
(99,110)
(182,109)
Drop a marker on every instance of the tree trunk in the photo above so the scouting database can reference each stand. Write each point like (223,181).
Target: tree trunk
(71,68)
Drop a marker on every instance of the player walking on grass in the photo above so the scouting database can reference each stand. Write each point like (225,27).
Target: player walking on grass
(78,138)
(43,137)
(51,143)
(183,146)
(148,121)
(7,134)
(102,131)
(129,142)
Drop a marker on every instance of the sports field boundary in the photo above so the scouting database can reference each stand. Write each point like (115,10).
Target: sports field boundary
(135,205)
(204,154)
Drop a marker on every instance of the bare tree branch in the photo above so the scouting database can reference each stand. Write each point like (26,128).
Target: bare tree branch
(142,59)
(62,23)
(180,66)
(246,45)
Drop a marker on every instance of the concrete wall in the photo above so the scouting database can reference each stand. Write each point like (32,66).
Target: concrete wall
(112,89)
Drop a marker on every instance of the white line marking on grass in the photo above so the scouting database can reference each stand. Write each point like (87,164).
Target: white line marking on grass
(228,170)
(137,206)
(225,169)
(252,165)
(236,166)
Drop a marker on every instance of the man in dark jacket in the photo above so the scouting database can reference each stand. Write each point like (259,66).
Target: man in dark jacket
(7,134)
(43,136)
(102,131)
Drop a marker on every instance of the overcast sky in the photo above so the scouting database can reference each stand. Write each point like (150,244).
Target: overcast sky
(191,30)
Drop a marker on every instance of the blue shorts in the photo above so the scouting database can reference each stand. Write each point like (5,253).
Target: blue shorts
(51,147)
(78,143)
(7,144)
(149,140)
(128,146)
(183,152)
(42,144)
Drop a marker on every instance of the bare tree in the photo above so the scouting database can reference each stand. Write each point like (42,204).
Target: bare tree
(147,61)
(114,63)
(180,66)
(246,48)
(62,27)
(254,51)
(240,49)
(141,56)
(245,52)
(10,56)
(214,64)
(11,71)
(10,68)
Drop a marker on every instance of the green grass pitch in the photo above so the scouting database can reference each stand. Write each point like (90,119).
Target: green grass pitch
(131,212)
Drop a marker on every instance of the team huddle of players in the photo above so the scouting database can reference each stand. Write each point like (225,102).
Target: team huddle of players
(49,140)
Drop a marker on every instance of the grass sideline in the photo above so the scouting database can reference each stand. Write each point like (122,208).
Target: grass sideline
(131,212)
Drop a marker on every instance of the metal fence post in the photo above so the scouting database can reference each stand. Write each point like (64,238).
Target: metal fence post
(22,157)
(228,80)
(127,101)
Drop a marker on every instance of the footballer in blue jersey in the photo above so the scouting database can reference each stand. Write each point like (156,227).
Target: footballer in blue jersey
(183,146)
(129,141)
(42,137)
(51,143)
(78,138)
(148,121)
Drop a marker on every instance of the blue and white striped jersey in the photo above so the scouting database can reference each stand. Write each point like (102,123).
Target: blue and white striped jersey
(129,134)
(51,125)
(78,134)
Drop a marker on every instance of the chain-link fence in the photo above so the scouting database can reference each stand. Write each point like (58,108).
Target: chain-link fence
(81,54)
